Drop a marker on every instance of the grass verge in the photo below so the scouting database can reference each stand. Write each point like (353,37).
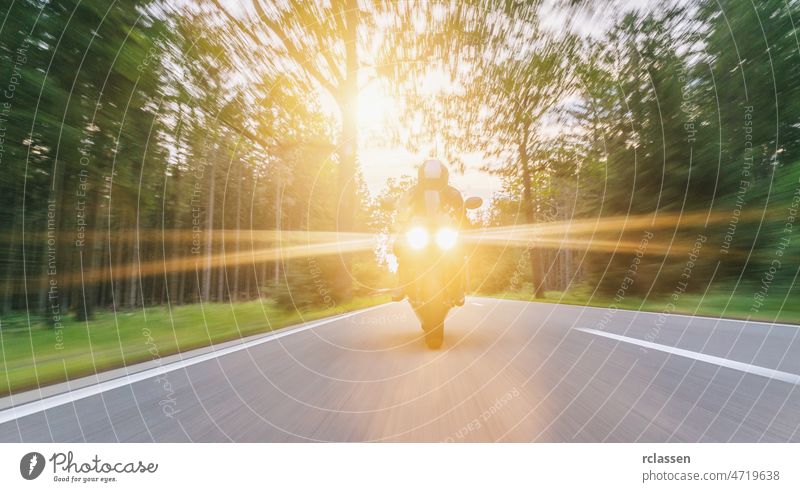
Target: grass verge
(715,305)
(30,358)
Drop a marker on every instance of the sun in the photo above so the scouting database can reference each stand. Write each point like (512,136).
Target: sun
(376,109)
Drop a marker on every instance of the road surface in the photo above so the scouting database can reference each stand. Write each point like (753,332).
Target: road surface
(508,371)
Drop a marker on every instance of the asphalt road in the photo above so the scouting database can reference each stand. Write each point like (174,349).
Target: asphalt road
(508,371)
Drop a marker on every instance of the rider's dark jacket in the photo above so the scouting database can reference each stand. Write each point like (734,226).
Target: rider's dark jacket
(414,203)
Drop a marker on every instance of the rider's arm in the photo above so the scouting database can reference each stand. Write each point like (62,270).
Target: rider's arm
(454,201)
(457,199)
(405,206)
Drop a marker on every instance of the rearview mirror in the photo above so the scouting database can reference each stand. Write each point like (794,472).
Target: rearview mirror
(473,202)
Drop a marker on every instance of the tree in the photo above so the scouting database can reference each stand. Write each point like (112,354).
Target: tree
(322,45)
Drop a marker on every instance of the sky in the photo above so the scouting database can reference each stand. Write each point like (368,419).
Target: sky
(379,163)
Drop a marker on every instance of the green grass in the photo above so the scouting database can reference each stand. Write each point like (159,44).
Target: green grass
(713,304)
(31,357)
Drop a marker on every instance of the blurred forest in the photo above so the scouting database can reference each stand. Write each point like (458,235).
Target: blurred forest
(154,153)
(681,121)
(134,140)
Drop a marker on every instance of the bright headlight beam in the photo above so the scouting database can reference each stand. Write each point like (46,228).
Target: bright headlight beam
(417,237)
(446,238)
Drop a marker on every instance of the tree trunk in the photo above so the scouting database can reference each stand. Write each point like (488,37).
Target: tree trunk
(234,292)
(527,205)
(278,212)
(105,268)
(88,291)
(56,205)
(135,282)
(124,248)
(182,287)
(209,235)
(348,105)
(11,264)
(171,250)
(222,272)
(248,276)
(263,280)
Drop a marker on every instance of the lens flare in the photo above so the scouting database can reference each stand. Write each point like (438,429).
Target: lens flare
(417,237)
(446,238)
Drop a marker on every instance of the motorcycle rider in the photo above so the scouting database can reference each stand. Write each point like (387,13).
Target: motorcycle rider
(432,191)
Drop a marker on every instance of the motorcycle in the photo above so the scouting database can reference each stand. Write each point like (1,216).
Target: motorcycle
(435,258)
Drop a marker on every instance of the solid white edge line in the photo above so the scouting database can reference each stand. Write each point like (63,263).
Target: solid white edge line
(16,412)
(786,377)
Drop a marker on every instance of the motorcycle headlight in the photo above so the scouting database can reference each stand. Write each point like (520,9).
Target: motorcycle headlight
(417,237)
(446,238)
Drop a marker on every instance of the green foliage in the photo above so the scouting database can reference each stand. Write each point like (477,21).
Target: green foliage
(130,337)
(140,134)
(690,115)
(135,135)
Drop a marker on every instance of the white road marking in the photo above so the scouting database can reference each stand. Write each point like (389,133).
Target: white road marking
(26,409)
(786,377)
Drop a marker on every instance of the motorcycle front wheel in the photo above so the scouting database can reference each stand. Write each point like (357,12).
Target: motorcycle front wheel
(431,317)
(430,304)
(434,335)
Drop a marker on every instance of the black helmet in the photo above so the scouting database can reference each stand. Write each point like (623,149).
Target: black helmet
(433,174)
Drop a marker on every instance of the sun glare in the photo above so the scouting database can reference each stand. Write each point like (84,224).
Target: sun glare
(376,109)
